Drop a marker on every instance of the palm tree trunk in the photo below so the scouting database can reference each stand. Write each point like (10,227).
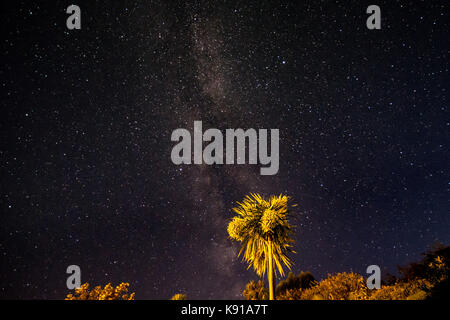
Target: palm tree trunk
(270,273)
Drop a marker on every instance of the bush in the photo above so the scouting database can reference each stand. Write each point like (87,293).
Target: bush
(342,286)
(256,291)
(179,296)
(303,280)
(402,290)
(98,293)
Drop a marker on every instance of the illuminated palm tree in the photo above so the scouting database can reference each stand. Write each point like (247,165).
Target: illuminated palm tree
(263,229)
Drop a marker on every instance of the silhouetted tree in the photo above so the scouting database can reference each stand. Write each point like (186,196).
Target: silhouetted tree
(434,265)
(303,280)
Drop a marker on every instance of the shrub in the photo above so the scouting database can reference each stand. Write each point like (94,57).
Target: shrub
(256,291)
(342,286)
(179,296)
(98,293)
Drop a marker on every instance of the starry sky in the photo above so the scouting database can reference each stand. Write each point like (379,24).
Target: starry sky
(87,116)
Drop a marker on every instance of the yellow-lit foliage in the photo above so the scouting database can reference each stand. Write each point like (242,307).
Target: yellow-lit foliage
(403,290)
(256,291)
(98,293)
(261,222)
(426,279)
(179,296)
(352,286)
(439,269)
(342,286)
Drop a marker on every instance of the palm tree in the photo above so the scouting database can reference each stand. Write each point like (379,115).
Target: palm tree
(263,229)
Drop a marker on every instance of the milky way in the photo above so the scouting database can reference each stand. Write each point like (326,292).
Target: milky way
(87,117)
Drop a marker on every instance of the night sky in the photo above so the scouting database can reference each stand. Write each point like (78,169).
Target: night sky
(87,117)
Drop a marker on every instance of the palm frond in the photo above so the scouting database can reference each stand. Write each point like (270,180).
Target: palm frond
(260,222)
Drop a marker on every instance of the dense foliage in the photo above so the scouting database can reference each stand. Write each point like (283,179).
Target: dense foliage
(303,280)
(179,296)
(426,279)
(256,291)
(98,293)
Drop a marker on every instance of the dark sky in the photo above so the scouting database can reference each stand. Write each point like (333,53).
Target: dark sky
(87,116)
